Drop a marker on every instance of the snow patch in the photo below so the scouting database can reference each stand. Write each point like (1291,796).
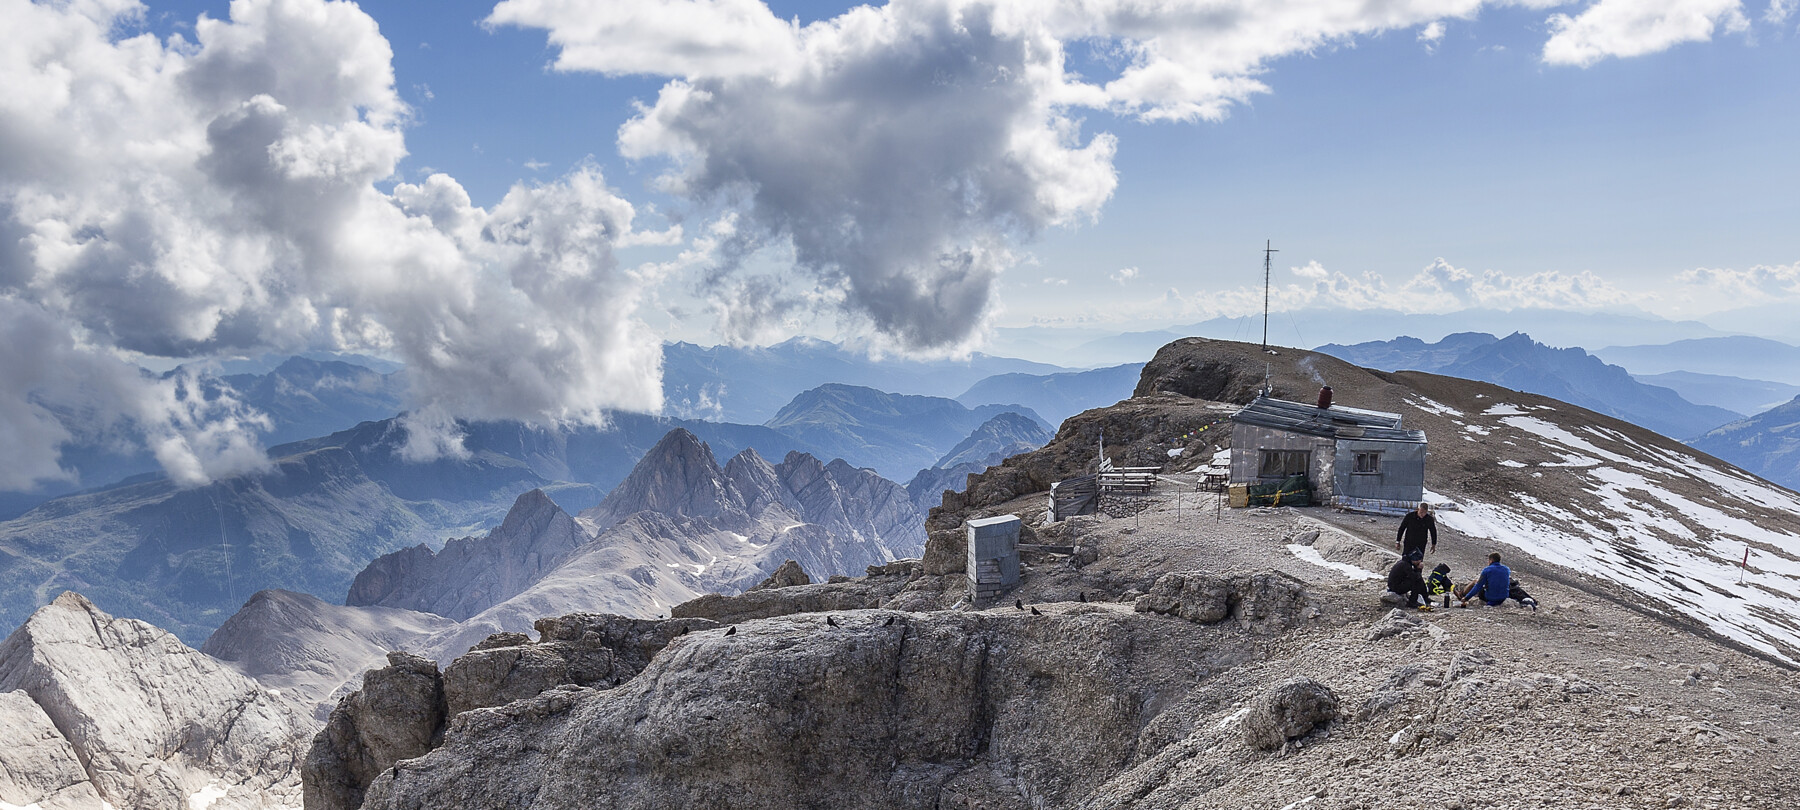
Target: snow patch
(1503,409)
(205,797)
(1433,406)
(1507,462)
(1311,555)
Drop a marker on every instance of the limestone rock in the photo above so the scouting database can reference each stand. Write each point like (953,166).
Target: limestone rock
(1264,601)
(38,767)
(398,714)
(790,712)
(817,598)
(1290,710)
(152,720)
(582,649)
(788,575)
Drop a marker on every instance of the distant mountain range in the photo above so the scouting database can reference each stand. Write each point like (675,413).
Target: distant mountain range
(185,558)
(1731,393)
(893,434)
(1088,346)
(1767,444)
(301,396)
(1751,358)
(997,439)
(1518,362)
(750,384)
(1057,396)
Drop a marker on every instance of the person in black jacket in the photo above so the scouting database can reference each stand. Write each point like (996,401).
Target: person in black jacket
(1406,580)
(1418,525)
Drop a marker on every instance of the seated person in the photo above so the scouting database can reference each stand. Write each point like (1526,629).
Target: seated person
(1440,582)
(1493,586)
(1405,581)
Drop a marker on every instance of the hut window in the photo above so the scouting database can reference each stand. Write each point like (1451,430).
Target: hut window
(1282,463)
(1367,464)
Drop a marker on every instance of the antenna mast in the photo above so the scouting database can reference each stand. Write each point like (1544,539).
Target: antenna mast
(1268,252)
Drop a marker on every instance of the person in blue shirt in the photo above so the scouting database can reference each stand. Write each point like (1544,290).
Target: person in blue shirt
(1493,586)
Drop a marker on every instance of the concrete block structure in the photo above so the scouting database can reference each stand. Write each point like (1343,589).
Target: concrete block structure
(993,555)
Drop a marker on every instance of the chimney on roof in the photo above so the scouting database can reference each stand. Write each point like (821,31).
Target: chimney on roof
(1324,397)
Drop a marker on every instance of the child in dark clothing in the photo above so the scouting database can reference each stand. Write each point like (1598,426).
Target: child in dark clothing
(1440,582)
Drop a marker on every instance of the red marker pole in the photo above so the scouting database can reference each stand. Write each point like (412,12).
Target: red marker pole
(1746,564)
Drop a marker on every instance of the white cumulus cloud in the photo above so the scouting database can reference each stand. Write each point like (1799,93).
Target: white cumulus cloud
(177,199)
(1618,28)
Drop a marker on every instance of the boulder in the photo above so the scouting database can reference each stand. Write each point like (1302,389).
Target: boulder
(1264,601)
(788,575)
(398,714)
(38,766)
(1289,711)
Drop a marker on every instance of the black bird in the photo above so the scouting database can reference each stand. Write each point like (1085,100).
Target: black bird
(1081,597)
(1034,612)
(889,622)
(684,630)
(1019,603)
(830,622)
(731,631)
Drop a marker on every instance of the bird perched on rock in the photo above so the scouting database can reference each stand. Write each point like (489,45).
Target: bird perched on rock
(1034,612)
(830,622)
(1081,596)
(889,622)
(731,631)
(1019,603)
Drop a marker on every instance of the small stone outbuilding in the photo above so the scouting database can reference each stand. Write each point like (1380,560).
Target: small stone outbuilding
(993,555)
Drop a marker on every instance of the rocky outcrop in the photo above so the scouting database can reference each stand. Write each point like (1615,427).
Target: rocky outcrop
(402,709)
(536,536)
(1291,710)
(150,720)
(823,597)
(1264,602)
(398,714)
(38,766)
(309,648)
(788,575)
(941,709)
(594,650)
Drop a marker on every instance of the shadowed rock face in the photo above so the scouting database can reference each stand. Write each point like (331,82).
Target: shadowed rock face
(790,712)
(536,536)
(398,714)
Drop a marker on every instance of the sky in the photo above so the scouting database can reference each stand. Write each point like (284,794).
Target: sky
(521,200)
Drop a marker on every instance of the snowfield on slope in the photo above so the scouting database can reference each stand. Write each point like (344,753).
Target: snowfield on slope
(1668,525)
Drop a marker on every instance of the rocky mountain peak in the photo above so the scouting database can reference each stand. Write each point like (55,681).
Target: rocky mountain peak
(103,683)
(757,482)
(679,476)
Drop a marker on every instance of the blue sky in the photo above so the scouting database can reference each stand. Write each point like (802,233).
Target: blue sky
(1372,153)
(522,210)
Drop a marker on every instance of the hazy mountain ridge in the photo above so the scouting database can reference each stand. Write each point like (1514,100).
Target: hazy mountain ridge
(750,384)
(1767,444)
(894,434)
(1056,397)
(1747,397)
(1568,375)
(1751,358)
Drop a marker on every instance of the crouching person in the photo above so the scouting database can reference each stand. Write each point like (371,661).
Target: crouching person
(1494,585)
(1405,583)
